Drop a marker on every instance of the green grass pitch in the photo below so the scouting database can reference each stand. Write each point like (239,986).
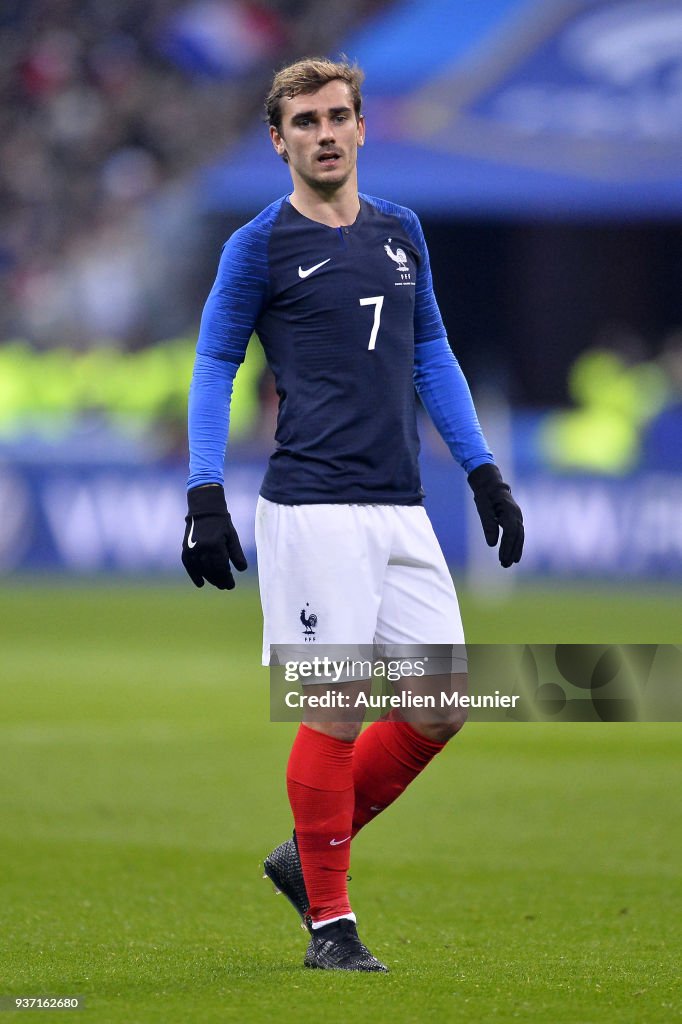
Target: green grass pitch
(531,874)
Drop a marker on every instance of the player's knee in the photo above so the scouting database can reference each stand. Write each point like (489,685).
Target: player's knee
(346,731)
(450,715)
(445,728)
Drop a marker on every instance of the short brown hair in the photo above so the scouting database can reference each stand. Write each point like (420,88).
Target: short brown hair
(309,75)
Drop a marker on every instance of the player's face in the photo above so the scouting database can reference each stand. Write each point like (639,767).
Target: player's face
(320,136)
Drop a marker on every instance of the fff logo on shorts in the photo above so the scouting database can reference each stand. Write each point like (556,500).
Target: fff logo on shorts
(309,621)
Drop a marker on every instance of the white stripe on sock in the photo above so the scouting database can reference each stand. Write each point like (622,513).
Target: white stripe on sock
(330,920)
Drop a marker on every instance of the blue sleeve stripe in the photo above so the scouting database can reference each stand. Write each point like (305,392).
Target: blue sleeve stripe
(438,377)
(443,389)
(228,320)
(239,291)
(428,323)
(209,419)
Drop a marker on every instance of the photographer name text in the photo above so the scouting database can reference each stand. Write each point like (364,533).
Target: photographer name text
(404,700)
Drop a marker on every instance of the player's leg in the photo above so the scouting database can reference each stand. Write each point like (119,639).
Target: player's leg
(419,609)
(322,797)
(315,569)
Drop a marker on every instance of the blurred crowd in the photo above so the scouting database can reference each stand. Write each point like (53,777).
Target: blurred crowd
(105,110)
(626,406)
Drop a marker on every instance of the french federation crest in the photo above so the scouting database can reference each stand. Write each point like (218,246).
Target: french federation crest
(399,257)
(309,622)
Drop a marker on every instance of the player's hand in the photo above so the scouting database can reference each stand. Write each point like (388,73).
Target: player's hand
(497,509)
(210,543)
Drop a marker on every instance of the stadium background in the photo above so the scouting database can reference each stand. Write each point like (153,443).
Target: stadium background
(541,146)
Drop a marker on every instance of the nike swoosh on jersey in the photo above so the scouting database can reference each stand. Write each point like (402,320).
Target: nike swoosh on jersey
(311,270)
(337,842)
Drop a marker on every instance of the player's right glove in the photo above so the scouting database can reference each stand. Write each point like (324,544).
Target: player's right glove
(497,509)
(210,543)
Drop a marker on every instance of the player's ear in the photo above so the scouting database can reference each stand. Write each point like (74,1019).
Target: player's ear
(361,130)
(278,142)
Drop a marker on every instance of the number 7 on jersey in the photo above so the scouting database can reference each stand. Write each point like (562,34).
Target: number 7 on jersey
(377,301)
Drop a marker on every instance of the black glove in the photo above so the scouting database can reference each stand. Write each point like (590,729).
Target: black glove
(210,542)
(497,508)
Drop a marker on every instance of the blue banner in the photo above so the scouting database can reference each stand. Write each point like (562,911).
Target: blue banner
(517,107)
(129,520)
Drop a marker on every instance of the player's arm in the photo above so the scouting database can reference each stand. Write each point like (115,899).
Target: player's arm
(444,391)
(210,544)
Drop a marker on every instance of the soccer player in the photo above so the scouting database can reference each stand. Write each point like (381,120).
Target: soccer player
(338,288)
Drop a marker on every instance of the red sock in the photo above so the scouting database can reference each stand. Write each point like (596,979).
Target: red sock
(388,755)
(321,794)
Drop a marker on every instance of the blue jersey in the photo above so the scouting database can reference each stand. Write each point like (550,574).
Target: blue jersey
(349,325)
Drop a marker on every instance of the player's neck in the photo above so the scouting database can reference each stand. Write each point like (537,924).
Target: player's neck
(336,210)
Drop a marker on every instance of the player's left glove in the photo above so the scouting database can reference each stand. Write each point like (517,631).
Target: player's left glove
(497,509)
(210,543)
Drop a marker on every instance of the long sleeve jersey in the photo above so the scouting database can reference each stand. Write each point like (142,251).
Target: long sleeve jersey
(350,327)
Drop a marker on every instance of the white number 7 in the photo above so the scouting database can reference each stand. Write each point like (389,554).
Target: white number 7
(377,301)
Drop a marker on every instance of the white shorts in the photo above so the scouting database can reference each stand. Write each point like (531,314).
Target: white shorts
(353,574)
